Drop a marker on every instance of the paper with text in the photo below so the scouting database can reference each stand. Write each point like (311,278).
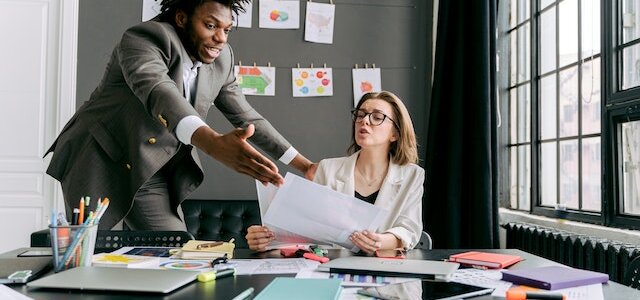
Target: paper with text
(319,213)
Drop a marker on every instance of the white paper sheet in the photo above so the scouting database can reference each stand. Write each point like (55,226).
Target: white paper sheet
(317,212)
(8,293)
(349,280)
(273,265)
(318,25)
(243,19)
(279,14)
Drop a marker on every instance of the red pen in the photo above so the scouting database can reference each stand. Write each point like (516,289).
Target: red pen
(312,256)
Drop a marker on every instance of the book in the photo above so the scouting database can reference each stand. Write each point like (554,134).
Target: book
(301,288)
(554,277)
(124,261)
(485,259)
(195,249)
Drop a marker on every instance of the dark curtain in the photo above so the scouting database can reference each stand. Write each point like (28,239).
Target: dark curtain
(461,206)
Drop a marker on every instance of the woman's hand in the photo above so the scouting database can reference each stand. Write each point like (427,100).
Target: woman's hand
(258,237)
(367,241)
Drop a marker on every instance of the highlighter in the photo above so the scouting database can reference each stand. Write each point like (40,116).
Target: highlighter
(213,275)
(522,295)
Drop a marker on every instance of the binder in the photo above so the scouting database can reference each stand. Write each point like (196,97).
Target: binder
(301,288)
(485,259)
(554,277)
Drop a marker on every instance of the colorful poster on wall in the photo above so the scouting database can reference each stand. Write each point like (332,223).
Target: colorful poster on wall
(258,81)
(279,14)
(365,81)
(243,19)
(312,82)
(318,25)
(150,9)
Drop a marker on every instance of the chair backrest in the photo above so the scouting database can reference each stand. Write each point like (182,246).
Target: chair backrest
(632,274)
(425,242)
(110,240)
(221,220)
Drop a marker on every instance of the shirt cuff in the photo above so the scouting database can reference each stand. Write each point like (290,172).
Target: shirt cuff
(187,126)
(288,156)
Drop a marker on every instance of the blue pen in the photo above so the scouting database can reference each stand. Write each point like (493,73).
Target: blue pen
(54,234)
(74,243)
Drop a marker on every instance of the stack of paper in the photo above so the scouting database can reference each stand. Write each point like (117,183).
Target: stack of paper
(302,210)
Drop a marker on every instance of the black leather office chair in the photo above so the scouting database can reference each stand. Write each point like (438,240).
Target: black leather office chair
(632,275)
(425,242)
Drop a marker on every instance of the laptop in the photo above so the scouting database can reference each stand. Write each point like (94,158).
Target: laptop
(425,269)
(117,279)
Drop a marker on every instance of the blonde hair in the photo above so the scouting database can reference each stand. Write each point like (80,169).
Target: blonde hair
(405,149)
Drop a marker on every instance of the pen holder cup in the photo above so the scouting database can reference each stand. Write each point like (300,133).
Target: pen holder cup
(72,245)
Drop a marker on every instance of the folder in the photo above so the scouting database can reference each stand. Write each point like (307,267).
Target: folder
(301,288)
(485,259)
(554,277)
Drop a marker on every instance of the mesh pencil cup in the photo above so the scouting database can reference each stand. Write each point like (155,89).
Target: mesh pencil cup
(72,245)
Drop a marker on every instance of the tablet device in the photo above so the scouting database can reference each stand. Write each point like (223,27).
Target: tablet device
(424,289)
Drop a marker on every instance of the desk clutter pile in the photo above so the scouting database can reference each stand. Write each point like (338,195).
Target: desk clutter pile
(162,270)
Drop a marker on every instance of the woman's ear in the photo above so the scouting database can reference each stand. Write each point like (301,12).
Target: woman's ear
(181,19)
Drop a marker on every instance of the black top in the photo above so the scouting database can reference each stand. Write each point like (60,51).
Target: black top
(369,199)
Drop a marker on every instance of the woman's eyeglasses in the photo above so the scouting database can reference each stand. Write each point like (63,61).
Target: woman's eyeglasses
(375,118)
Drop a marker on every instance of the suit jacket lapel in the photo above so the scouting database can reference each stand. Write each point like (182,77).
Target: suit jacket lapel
(390,186)
(203,92)
(344,176)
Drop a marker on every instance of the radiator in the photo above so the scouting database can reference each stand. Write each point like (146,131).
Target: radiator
(572,249)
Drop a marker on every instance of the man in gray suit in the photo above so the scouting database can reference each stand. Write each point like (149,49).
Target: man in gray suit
(133,140)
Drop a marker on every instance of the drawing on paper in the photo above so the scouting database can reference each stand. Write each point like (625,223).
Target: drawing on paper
(319,23)
(312,82)
(279,14)
(365,81)
(256,80)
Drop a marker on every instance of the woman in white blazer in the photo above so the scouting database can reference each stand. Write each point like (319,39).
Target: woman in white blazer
(381,170)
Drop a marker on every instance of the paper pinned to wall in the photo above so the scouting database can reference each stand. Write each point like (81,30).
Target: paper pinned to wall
(279,14)
(317,212)
(312,82)
(319,20)
(256,80)
(243,19)
(150,9)
(365,81)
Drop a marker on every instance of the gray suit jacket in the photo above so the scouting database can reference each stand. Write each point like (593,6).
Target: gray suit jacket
(126,131)
(400,194)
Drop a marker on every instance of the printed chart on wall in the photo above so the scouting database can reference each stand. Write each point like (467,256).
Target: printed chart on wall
(256,80)
(312,82)
(318,25)
(243,19)
(279,14)
(365,81)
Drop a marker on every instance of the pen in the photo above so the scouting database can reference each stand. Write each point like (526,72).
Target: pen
(208,245)
(522,295)
(213,275)
(244,295)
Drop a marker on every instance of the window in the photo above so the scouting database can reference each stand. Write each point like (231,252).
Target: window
(573,108)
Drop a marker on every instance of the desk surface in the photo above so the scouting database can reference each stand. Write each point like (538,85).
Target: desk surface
(229,287)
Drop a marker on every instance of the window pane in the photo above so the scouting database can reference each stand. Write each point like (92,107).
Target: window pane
(591,170)
(513,190)
(523,10)
(513,60)
(569,173)
(591,97)
(545,3)
(548,106)
(631,169)
(548,41)
(631,66)
(590,27)
(548,174)
(524,177)
(568,26)
(568,102)
(524,57)
(524,113)
(630,20)
(513,115)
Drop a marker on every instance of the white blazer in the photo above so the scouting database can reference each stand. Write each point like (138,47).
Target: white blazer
(400,194)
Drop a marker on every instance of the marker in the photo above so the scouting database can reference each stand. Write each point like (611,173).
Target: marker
(522,295)
(213,275)
(81,211)
(312,256)
(244,295)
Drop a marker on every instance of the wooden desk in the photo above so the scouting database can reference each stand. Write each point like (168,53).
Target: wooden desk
(228,288)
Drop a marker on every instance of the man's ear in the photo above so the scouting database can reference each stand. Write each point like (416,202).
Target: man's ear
(181,18)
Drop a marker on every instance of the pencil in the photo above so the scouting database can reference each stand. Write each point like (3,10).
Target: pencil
(81,214)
